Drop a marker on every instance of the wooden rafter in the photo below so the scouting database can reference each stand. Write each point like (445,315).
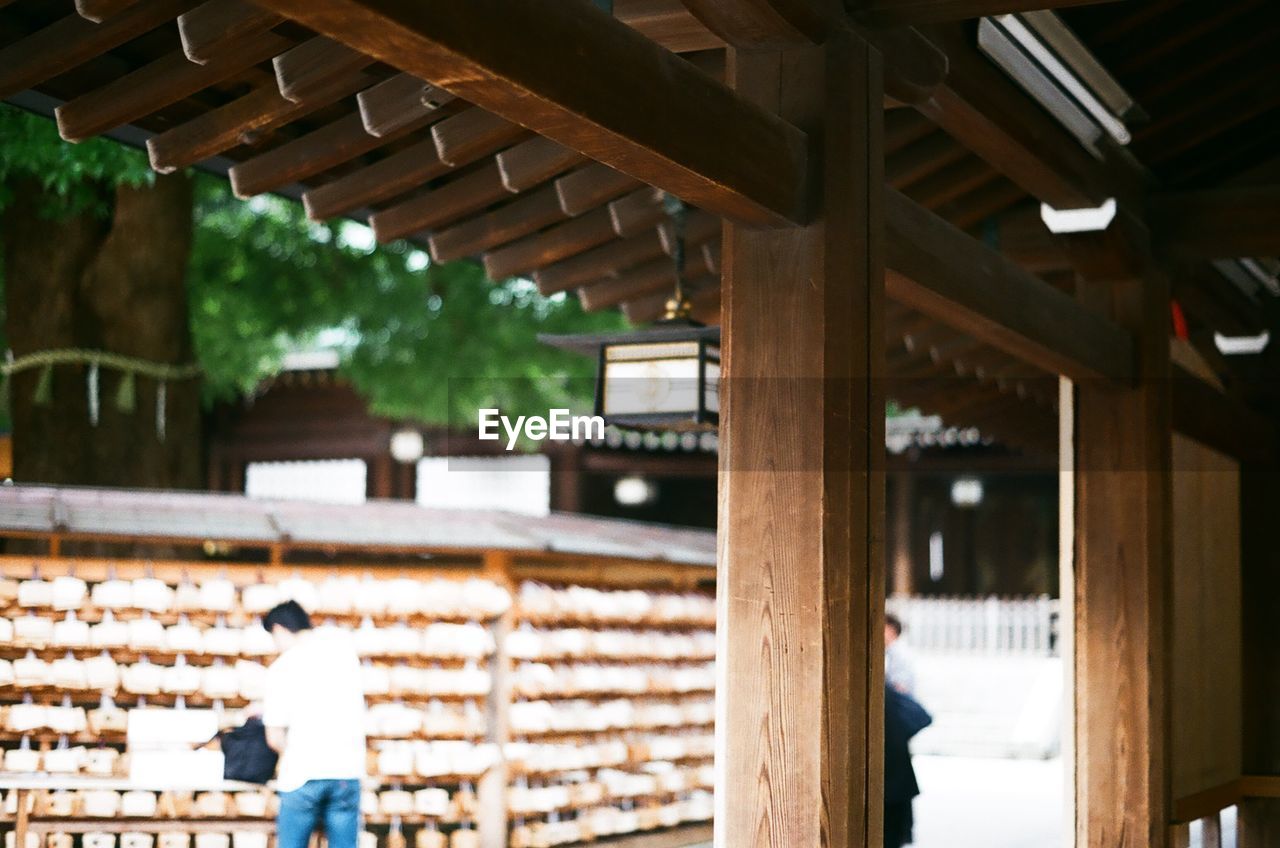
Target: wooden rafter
(509,58)
(986,112)
(217,25)
(73,40)
(240,121)
(398,102)
(941,271)
(158,84)
(99,10)
(315,64)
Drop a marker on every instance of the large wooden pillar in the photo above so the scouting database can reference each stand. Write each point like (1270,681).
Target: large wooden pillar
(1123,491)
(800,574)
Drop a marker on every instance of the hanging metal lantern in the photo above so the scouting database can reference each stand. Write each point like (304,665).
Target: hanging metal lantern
(664,376)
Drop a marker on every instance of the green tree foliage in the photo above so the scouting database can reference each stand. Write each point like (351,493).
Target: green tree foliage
(420,341)
(73,175)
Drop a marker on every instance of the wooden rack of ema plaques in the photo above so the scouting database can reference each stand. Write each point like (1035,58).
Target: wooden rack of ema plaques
(521,700)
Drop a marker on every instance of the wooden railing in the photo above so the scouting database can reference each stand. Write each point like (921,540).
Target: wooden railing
(1206,808)
(989,625)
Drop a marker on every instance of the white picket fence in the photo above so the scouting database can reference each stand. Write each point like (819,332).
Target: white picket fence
(993,625)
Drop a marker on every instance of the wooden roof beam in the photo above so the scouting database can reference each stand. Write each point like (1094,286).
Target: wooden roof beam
(315,64)
(527,214)
(591,186)
(637,211)
(913,67)
(74,40)
(704,296)
(396,103)
(509,57)
(668,23)
(397,174)
(99,10)
(1223,223)
(473,134)
(217,25)
(534,162)
(598,262)
(551,245)
(986,112)
(158,84)
(655,276)
(441,205)
(941,271)
(307,155)
(242,121)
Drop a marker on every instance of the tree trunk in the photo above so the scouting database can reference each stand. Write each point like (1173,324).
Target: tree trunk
(118,284)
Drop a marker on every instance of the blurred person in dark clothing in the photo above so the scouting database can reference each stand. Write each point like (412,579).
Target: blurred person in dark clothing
(903,719)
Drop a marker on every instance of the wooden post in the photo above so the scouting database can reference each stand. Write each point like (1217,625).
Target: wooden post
(23,815)
(381,471)
(1211,831)
(1258,823)
(491,793)
(800,599)
(1122,592)
(1066,587)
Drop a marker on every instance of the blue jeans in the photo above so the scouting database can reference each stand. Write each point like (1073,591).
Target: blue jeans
(335,804)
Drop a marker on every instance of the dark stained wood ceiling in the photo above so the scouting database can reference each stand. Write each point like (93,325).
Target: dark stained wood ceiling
(461,182)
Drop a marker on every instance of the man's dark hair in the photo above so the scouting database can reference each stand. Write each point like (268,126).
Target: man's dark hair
(290,615)
(893,622)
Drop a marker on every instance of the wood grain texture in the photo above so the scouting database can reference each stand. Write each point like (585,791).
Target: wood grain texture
(656,276)
(668,23)
(1206,685)
(941,271)
(1258,823)
(241,121)
(800,568)
(398,102)
(439,206)
(398,173)
(315,64)
(599,262)
(535,161)
(216,25)
(472,134)
(754,24)
(527,214)
(307,155)
(158,84)
(99,10)
(1123,593)
(551,245)
(617,96)
(986,112)
(591,186)
(74,40)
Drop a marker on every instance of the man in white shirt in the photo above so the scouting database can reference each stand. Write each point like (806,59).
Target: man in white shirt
(899,665)
(314,716)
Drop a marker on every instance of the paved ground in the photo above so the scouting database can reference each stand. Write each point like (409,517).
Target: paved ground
(968,802)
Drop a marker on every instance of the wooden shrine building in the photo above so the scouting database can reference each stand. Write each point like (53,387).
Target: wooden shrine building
(862,172)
